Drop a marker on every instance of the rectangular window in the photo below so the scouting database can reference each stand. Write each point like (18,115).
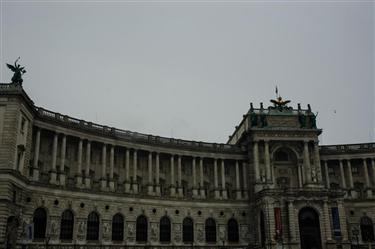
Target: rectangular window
(331,171)
(355,170)
(336,222)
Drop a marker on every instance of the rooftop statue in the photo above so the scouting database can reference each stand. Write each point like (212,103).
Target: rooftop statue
(18,72)
(279,103)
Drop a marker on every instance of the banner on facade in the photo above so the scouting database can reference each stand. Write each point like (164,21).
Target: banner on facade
(336,222)
(278,222)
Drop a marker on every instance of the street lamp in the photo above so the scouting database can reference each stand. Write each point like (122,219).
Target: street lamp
(355,232)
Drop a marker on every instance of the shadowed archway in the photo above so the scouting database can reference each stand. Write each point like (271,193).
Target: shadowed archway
(309,229)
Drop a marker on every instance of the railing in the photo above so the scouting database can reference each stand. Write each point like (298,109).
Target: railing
(347,147)
(94,246)
(125,134)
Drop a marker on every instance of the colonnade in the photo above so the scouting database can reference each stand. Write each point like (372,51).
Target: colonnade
(345,166)
(107,182)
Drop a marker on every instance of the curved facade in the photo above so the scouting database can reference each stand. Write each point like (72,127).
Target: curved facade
(73,182)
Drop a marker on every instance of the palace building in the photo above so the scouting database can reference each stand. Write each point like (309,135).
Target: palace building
(71,183)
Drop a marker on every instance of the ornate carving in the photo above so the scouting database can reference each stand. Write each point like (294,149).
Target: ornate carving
(154,231)
(222,233)
(177,232)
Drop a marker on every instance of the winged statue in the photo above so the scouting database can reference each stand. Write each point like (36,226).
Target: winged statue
(279,101)
(18,72)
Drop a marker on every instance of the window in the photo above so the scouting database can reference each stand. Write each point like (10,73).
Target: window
(331,171)
(187,230)
(262,230)
(141,229)
(40,223)
(66,226)
(210,227)
(23,125)
(232,231)
(118,228)
(367,229)
(92,226)
(355,170)
(281,156)
(165,229)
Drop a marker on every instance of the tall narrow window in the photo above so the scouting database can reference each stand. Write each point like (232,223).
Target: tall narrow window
(92,226)
(210,227)
(188,230)
(367,229)
(66,226)
(233,235)
(118,228)
(141,229)
(165,229)
(262,230)
(40,223)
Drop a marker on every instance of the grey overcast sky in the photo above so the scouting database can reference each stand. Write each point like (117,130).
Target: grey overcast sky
(189,69)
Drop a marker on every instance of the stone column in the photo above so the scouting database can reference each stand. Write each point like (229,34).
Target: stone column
(216,182)
(79,164)
(179,176)
(342,173)
(53,179)
(306,162)
(367,179)
(351,185)
(150,187)
(157,174)
(62,162)
(36,156)
(202,192)
(342,215)
(300,175)
(291,220)
(195,189)
(373,171)
(327,222)
(88,163)
(244,175)
(135,172)
(111,168)
(173,188)
(267,161)
(256,161)
(317,163)
(224,193)
(327,174)
(127,174)
(238,187)
(103,180)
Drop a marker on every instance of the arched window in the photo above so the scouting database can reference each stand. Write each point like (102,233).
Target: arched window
(282,156)
(40,223)
(66,225)
(232,230)
(165,229)
(118,227)
(141,229)
(92,226)
(210,228)
(367,229)
(187,230)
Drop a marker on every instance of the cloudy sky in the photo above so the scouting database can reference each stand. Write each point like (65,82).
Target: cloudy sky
(189,69)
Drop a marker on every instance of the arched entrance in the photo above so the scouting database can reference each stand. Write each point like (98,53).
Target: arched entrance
(309,229)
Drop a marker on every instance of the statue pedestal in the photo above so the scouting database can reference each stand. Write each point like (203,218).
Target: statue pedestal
(127,187)
(180,192)
(62,179)
(111,184)
(150,190)
(224,194)
(173,191)
(217,194)
(78,181)
(238,195)
(135,188)
(195,193)
(53,177)
(157,190)
(35,174)
(103,185)
(202,193)
(87,182)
